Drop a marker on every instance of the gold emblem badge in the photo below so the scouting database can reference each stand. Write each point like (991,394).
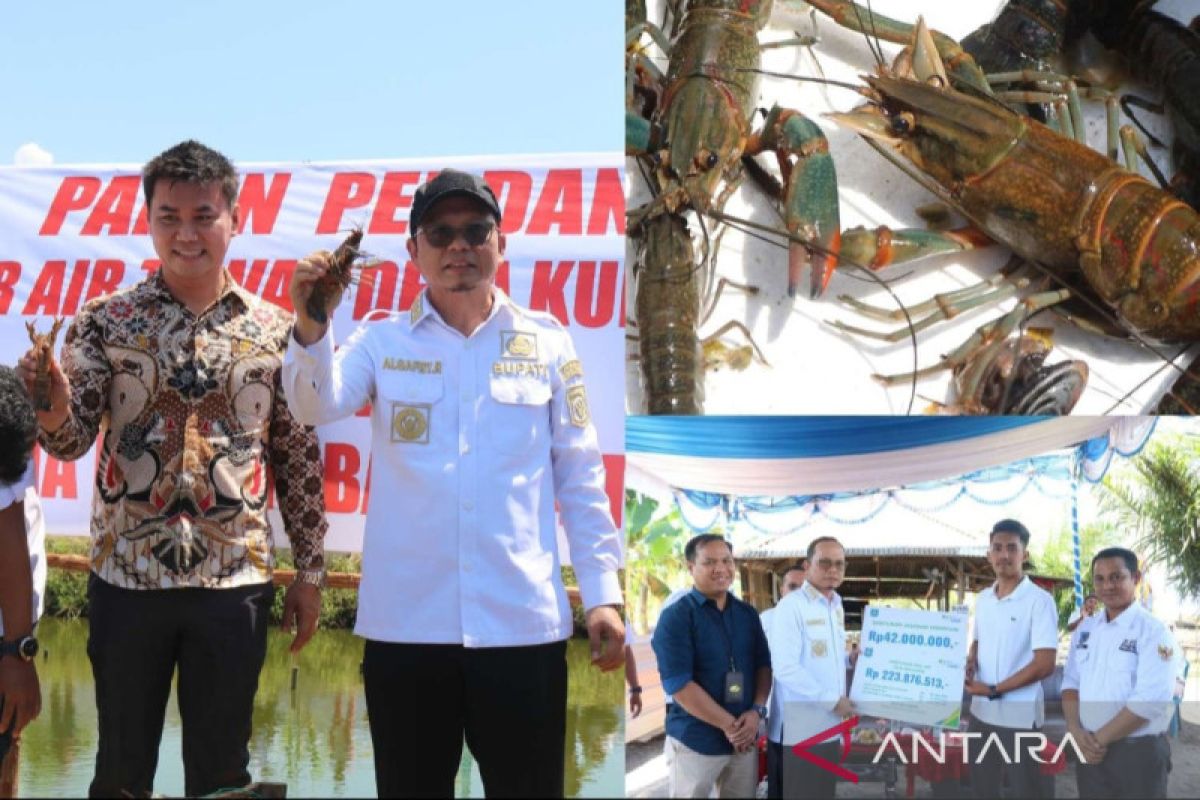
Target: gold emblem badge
(571,369)
(515,344)
(735,688)
(1165,652)
(415,312)
(410,423)
(820,647)
(577,403)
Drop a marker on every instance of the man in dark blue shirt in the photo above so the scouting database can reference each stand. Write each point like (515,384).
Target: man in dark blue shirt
(713,658)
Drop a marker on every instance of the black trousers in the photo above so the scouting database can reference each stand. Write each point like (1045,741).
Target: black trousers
(1133,767)
(136,638)
(509,702)
(774,770)
(988,773)
(803,779)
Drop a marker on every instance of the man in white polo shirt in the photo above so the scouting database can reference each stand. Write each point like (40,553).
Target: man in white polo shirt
(808,637)
(1118,686)
(1016,637)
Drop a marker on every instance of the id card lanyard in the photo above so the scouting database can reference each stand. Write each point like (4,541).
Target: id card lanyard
(735,681)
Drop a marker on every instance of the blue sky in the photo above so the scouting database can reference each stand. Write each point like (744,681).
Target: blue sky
(306,81)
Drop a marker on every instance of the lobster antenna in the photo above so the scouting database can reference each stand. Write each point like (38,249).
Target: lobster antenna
(872,44)
(1147,379)
(875,33)
(746,226)
(822,80)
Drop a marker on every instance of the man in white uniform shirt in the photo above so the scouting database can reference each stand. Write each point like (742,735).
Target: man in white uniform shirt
(808,637)
(792,579)
(479,425)
(1118,686)
(1016,638)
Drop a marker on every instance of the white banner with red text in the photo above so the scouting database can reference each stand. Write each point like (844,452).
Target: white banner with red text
(72,233)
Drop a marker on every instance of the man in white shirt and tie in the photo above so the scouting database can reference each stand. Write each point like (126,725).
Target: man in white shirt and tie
(1016,638)
(480,425)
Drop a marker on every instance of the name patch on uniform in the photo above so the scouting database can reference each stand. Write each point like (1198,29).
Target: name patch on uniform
(577,403)
(820,647)
(1129,646)
(1165,652)
(415,312)
(520,368)
(518,344)
(571,369)
(410,423)
(817,621)
(409,365)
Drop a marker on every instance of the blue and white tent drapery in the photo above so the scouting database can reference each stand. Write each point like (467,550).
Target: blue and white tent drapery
(789,456)
(778,474)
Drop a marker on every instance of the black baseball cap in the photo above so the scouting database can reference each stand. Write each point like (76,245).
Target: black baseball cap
(447,183)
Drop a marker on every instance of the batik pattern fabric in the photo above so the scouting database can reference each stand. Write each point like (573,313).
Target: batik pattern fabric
(193,429)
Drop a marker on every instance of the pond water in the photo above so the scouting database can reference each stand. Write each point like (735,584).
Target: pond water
(315,739)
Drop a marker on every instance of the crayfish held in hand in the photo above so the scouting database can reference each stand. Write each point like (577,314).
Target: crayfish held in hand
(43,347)
(337,277)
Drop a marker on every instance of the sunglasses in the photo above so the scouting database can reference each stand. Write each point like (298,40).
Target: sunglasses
(474,233)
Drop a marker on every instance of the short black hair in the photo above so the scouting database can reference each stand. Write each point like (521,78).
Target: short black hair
(1011,526)
(696,542)
(801,565)
(812,546)
(191,162)
(1091,596)
(1128,556)
(18,426)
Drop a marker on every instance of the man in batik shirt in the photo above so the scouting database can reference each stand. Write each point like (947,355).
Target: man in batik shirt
(179,376)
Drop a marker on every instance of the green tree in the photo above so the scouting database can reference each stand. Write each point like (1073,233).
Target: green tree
(1055,557)
(655,561)
(1157,500)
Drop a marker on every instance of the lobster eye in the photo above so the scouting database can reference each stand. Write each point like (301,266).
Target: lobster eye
(712,160)
(903,123)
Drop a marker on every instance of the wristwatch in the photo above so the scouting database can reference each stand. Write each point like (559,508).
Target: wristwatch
(24,648)
(994,693)
(313,577)
(761,711)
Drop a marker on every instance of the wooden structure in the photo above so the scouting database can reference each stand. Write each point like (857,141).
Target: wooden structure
(938,567)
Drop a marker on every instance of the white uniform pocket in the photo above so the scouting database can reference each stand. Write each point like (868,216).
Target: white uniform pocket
(407,401)
(520,412)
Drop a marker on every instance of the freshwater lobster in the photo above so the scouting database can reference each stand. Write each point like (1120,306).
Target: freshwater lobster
(337,277)
(43,348)
(1166,54)
(692,145)
(1105,235)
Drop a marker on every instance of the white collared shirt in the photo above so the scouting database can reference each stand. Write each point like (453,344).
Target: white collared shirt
(35,531)
(474,438)
(1008,630)
(1127,662)
(807,637)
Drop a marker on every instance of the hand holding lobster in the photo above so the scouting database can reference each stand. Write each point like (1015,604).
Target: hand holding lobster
(44,378)
(317,285)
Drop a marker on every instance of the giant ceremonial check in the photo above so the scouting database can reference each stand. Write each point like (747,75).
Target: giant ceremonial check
(911,666)
(72,233)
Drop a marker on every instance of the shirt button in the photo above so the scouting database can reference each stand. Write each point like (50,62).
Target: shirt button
(466,567)
(466,448)
(468,506)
